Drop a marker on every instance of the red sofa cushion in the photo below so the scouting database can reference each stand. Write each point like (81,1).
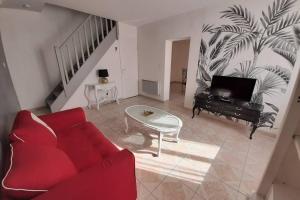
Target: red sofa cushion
(29,128)
(64,119)
(113,178)
(85,145)
(34,169)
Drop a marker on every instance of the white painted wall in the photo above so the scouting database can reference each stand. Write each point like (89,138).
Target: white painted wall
(152,38)
(28,39)
(151,50)
(121,62)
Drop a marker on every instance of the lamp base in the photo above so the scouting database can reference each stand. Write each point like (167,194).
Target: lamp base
(103,80)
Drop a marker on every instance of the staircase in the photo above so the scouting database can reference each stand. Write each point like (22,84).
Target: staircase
(78,54)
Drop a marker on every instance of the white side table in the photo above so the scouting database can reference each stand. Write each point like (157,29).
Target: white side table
(101,93)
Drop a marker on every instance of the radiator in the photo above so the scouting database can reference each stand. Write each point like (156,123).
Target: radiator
(150,87)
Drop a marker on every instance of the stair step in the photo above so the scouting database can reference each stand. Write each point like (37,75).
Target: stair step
(56,93)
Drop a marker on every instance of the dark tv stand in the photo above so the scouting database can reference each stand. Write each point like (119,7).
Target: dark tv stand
(234,108)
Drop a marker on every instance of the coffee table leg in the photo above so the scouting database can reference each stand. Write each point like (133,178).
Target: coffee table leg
(177,135)
(160,137)
(126,124)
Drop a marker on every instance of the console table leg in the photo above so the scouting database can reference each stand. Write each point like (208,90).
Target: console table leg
(194,108)
(199,110)
(177,135)
(253,130)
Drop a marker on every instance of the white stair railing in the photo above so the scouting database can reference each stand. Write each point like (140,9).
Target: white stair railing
(74,51)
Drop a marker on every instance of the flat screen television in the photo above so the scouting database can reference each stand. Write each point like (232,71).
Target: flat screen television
(233,87)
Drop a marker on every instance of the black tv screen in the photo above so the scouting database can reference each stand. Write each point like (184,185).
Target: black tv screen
(239,88)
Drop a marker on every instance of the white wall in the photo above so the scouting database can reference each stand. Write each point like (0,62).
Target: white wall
(151,49)
(28,39)
(152,38)
(180,58)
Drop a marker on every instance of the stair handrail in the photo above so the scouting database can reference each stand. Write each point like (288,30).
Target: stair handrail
(74,50)
(75,30)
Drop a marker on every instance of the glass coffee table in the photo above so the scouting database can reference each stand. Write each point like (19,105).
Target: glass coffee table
(161,121)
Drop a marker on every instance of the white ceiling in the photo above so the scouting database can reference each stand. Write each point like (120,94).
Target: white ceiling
(134,12)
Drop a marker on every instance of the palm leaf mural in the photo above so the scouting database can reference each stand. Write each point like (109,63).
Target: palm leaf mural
(218,48)
(239,43)
(202,86)
(267,119)
(220,70)
(277,31)
(275,108)
(241,17)
(288,55)
(207,28)
(246,70)
(217,64)
(297,35)
(204,74)
(282,39)
(229,28)
(284,23)
(257,98)
(281,72)
(203,47)
(214,38)
(270,85)
(275,12)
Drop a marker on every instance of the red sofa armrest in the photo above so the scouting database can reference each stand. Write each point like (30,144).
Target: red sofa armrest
(64,119)
(110,179)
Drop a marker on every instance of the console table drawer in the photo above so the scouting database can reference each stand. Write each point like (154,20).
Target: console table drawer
(253,117)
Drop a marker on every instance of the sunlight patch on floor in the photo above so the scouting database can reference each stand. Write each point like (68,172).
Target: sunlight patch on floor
(193,167)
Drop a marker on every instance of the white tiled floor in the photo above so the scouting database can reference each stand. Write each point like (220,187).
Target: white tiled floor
(214,160)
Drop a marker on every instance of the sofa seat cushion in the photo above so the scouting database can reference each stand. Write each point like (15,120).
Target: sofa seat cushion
(113,178)
(28,128)
(85,145)
(35,169)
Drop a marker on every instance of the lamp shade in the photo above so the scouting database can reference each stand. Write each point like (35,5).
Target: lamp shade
(103,73)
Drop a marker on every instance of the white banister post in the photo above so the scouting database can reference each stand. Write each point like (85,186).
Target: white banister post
(97,31)
(86,40)
(70,60)
(81,47)
(102,30)
(76,52)
(92,35)
(60,67)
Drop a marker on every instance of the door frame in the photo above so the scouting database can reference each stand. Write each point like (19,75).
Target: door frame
(168,65)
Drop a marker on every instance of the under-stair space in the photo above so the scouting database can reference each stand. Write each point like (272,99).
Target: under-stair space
(78,54)
(287,183)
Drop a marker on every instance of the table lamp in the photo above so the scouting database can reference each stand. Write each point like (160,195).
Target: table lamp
(103,74)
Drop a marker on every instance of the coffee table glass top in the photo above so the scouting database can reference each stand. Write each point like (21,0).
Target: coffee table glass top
(160,120)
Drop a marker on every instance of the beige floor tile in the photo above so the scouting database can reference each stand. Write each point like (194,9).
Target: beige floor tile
(214,160)
(173,189)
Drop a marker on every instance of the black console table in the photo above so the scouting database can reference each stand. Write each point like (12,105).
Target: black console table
(232,108)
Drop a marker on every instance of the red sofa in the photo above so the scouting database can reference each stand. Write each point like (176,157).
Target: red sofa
(62,156)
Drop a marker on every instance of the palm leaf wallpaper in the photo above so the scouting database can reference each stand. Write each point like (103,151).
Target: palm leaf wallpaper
(225,51)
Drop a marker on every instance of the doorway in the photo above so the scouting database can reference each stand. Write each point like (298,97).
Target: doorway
(178,71)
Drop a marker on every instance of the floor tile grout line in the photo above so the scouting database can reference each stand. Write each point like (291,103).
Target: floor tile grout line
(243,172)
